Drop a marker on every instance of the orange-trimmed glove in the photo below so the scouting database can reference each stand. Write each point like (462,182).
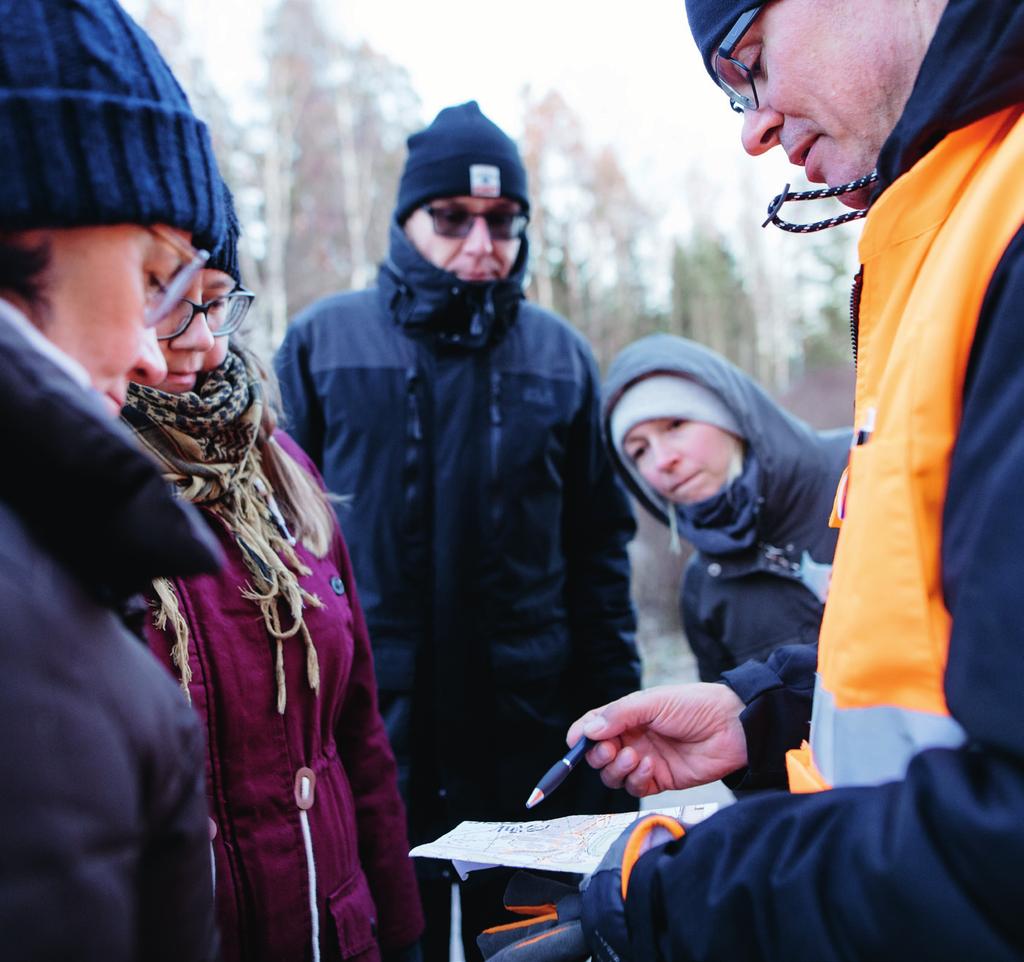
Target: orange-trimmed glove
(550,931)
(604,892)
(563,924)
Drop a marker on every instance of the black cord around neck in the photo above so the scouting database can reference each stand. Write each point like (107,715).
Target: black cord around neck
(787,195)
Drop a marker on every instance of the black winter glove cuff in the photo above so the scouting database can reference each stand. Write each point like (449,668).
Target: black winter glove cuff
(550,931)
(604,892)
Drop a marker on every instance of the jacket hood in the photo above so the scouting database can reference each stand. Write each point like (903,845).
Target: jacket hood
(78,482)
(429,300)
(972,69)
(797,466)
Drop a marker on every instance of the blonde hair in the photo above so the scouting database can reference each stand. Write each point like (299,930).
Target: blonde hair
(305,504)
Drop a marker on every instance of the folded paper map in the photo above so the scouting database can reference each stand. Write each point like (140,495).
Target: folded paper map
(575,843)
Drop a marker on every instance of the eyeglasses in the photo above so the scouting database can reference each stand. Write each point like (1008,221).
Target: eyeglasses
(732,75)
(166,297)
(224,315)
(458,222)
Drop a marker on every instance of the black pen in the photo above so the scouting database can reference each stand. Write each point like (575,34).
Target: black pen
(558,772)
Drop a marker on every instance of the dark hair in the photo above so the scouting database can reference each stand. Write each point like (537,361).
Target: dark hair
(22,269)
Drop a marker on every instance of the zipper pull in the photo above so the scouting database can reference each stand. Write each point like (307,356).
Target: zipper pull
(413,411)
(863,434)
(495,398)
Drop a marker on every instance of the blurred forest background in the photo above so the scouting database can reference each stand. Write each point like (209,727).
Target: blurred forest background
(315,178)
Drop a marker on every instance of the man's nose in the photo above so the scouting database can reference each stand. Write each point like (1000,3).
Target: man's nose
(150,368)
(761,129)
(478,240)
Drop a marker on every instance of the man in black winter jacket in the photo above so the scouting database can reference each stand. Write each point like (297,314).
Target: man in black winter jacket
(106,180)
(486,527)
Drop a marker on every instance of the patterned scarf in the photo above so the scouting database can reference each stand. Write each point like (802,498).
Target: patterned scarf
(205,444)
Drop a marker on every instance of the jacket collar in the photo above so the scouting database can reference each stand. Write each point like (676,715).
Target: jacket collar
(78,482)
(971,70)
(426,300)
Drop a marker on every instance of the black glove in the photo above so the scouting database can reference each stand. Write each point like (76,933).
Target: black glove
(565,924)
(604,891)
(551,930)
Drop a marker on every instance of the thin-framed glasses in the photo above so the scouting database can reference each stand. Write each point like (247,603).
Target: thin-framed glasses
(224,315)
(458,222)
(734,76)
(166,297)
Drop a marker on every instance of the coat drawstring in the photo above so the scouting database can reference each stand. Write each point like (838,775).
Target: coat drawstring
(305,789)
(674,544)
(213,857)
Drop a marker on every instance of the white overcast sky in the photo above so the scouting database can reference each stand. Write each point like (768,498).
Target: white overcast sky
(630,71)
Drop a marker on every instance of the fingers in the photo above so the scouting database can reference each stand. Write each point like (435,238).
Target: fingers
(604,723)
(640,782)
(618,764)
(575,732)
(633,772)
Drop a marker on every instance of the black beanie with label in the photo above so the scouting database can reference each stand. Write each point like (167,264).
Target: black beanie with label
(95,129)
(461,154)
(710,21)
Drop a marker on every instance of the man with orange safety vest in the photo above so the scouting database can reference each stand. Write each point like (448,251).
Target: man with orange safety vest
(903,835)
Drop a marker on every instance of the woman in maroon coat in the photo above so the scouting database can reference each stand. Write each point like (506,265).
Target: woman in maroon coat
(308,834)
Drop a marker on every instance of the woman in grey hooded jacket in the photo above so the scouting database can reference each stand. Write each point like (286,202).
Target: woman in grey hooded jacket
(708,453)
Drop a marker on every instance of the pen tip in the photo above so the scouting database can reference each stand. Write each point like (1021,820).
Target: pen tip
(535,796)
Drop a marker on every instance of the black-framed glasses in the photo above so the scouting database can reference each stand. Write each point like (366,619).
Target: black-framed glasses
(734,76)
(224,315)
(458,222)
(166,297)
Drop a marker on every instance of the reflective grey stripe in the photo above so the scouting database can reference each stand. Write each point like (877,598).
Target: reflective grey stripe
(868,746)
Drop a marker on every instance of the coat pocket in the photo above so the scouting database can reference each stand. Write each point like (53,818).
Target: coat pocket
(355,919)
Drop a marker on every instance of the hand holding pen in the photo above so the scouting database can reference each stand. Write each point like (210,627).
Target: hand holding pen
(558,772)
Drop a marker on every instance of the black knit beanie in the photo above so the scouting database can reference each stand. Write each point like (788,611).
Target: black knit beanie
(710,21)
(94,128)
(225,255)
(461,154)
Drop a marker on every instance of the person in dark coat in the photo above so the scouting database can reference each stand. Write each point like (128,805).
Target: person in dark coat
(309,840)
(106,181)
(486,526)
(711,456)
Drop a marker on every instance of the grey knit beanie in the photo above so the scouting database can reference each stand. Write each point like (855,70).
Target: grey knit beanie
(95,129)
(667,396)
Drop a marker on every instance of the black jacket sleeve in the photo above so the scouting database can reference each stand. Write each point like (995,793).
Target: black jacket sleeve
(928,867)
(302,407)
(597,528)
(778,694)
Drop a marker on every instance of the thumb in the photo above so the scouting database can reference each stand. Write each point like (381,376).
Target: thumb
(633,711)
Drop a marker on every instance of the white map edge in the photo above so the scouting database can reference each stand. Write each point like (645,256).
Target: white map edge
(689,815)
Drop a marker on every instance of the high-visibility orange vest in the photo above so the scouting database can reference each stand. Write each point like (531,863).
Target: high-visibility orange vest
(930,246)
